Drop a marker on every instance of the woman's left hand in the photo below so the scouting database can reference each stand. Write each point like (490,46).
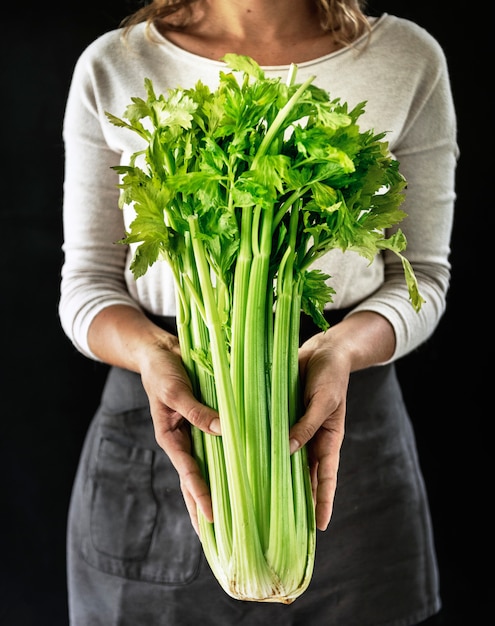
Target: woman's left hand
(325,375)
(326,361)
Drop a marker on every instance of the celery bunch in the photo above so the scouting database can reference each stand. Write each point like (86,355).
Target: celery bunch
(240,190)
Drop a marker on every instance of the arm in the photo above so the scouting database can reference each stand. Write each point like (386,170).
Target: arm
(98,313)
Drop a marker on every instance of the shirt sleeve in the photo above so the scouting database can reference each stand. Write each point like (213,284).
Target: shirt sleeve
(94,260)
(427,152)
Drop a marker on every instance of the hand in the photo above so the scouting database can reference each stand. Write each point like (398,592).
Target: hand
(123,336)
(326,361)
(174,408)
(325,374)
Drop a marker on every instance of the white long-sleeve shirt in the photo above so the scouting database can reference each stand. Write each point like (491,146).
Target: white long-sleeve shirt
(403,77)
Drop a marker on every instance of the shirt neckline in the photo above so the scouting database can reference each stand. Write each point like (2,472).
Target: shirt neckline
(177,51)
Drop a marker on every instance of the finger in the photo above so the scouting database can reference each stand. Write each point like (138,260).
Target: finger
(325,403)
(316,414)
(324,488)
(174,437)
(202,502)
(199,415)
(324,454)
(178,396)
(196,491)
(193,486)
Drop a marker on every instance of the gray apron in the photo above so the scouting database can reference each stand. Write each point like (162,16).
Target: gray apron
(135,560)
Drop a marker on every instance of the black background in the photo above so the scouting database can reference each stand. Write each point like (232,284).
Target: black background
(49,392)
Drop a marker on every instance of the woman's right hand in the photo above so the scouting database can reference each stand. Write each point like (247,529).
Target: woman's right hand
(123,336)
(173,409)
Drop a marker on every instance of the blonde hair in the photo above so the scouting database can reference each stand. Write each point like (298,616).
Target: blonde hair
(344,18)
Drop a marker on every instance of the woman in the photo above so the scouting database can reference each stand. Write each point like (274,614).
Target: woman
(133,555)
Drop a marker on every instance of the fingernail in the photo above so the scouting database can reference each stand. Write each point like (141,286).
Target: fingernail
(215,426)
(294,445)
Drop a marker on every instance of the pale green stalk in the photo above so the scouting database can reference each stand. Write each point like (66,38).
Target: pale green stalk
(193,336)
(246,573)
(238,322)
(283,516)
(256,396)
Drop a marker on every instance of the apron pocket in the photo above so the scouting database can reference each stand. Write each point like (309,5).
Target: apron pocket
(123,510)
(137,525)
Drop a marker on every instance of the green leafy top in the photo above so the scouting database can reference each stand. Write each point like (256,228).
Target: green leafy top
(258,144)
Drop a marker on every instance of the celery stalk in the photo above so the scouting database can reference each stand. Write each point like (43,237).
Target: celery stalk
(239,190)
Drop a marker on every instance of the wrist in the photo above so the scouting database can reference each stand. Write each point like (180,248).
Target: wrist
(124,336)
(365,338)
